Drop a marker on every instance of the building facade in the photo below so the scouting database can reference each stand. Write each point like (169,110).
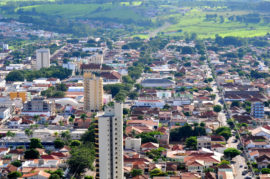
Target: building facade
(24,95)
(38,106)
(43,58)
(109,143)
(257,109)
(93,92)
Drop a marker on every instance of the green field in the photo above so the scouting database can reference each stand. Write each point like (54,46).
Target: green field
(85,11)
(169,17)
(195,22)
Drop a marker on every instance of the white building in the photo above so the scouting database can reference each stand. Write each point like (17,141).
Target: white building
(5,47)
(133,143)
(4,113)
(43,58)
(70,65)
(110,143)
(164,94)
(150,102)
(15,67)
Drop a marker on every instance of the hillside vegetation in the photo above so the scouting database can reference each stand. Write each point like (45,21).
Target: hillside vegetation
(145,18)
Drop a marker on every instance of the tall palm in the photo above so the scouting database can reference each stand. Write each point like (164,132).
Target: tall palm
(10,134)
(28,132)
(83,117)
(65,136)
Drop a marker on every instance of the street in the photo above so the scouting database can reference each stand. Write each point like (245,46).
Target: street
(238,163)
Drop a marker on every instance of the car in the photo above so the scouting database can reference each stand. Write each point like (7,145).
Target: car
(244,172)
(245,167)
(241,166)
(248,177)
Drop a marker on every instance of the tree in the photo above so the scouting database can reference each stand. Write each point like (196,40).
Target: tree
(217,108)
(58,143)
(89,135)
(35,143)
(65,135)
(224,162)
(10,134)
(31,154)
(59,173)
(16,163)
(155,153)
(75,143)
(133,95)
(54,176)
(157,172)
(206,170)
(191,143)
(88,177)
(120,97)
(14,175)
(136,172)
(265,171)
(83,116)
(125,111)
(15,76)
(81,159)
(224,131)
(231,153)
(148,137)
(235,103)
(28,132)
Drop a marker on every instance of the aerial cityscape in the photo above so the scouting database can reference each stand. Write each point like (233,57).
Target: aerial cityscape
(122,89)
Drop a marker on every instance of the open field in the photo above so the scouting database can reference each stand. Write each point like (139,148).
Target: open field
(68,11)
(194,21)
(143,18)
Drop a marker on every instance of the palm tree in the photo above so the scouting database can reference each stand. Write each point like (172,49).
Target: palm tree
(36,118)
(28,132)
(56,134)
(83,117)
(65,136)
(10,134)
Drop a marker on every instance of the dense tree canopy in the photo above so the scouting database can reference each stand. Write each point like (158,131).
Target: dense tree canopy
(30,75)
(82,158)
(181,133)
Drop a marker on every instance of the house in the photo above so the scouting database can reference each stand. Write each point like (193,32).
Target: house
(133,143)
(263,161)
(196,166)
(204,142)
(149,146)
(4,151)
(157,82)
(5,113)
(37,175)
(149,102)
(261,131)
(111,77)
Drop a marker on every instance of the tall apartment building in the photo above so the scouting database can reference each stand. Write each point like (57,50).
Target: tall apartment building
(257,109)
(43,58)
(109,143)
(93,92)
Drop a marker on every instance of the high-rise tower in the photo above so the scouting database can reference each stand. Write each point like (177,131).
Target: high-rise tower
(43,58)
(93,92)
(109,143)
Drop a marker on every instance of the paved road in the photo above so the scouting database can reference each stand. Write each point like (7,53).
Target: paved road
(156,31)
(238,163)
